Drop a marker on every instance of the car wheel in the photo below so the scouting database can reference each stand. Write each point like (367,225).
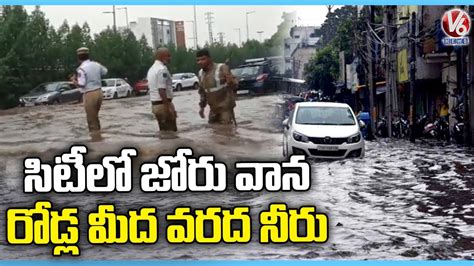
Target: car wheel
(115,95)
(178,87)
(196,86)
(56,101)
(128,93)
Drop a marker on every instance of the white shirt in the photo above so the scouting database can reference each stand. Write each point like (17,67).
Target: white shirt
(89,75)
(159,78)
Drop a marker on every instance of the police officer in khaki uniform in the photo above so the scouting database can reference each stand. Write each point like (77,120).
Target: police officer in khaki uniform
(217,89)
(89,79)
(160,85)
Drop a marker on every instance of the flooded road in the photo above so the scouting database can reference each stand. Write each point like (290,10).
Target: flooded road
(402,201)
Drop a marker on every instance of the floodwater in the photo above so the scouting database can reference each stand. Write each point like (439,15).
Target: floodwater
(403,201)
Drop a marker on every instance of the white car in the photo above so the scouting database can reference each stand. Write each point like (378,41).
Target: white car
(185,80)
(115,88)
(323,130)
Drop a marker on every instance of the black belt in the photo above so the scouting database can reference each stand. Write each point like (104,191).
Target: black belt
(159,102)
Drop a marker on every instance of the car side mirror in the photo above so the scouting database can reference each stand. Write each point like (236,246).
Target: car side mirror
(361,124)
(285,123)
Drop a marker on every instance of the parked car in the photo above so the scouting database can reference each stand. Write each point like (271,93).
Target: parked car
(185,80)
(141,87)
(116,88)
(52,93)
(323,130)
(258,76)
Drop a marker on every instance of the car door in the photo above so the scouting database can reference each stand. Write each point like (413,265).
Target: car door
(76,94)
(64,93)
(183,79)
(119,87)
(192,79)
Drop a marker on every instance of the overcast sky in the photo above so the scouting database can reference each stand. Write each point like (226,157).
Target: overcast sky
(226,18)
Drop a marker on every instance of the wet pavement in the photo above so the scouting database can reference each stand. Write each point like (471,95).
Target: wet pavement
(402,201)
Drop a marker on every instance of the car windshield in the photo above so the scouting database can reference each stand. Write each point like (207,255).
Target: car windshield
(177,76)
(108,83)
(47,87)
(321,115)
(250,71)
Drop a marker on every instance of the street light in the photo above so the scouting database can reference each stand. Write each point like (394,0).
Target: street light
(194,33)
(260,35)
(112,12)
(247,21)
(126,13)
(240,36)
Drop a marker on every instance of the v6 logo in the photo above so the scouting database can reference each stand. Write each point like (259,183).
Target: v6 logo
(456,23)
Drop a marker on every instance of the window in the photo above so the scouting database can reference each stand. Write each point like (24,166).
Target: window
(64,87)
(321,115)
(108,83)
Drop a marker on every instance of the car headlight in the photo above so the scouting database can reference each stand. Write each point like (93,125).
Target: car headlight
(354,138)
(300,137)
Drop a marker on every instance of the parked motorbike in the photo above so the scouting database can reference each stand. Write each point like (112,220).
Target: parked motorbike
(400,128)
(420,125)
(382,128)
(438,129)
(458,128)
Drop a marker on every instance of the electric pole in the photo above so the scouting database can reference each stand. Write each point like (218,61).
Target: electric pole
(412,43)
(389,73)
(126,13)
(194,34)
(221,37)
(112,12)
(209,22)
(247,22)
(371,78)
(195,29)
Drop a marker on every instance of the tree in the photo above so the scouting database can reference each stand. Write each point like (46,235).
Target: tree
(322,70)
(334,20)
(13,47)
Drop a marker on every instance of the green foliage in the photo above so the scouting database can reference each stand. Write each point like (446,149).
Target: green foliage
(322,70)
(33,52)
(338,34)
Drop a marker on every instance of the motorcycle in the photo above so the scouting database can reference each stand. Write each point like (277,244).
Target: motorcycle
(382,129)
(400,128)
(420,125)
(458,128)
(438,129)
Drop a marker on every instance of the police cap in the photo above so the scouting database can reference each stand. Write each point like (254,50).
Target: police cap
(83,50)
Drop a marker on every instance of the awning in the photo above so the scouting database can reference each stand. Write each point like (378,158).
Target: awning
(381,90)
(360,87)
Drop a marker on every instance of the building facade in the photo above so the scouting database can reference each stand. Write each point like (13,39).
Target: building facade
(299,48)
(159,32)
